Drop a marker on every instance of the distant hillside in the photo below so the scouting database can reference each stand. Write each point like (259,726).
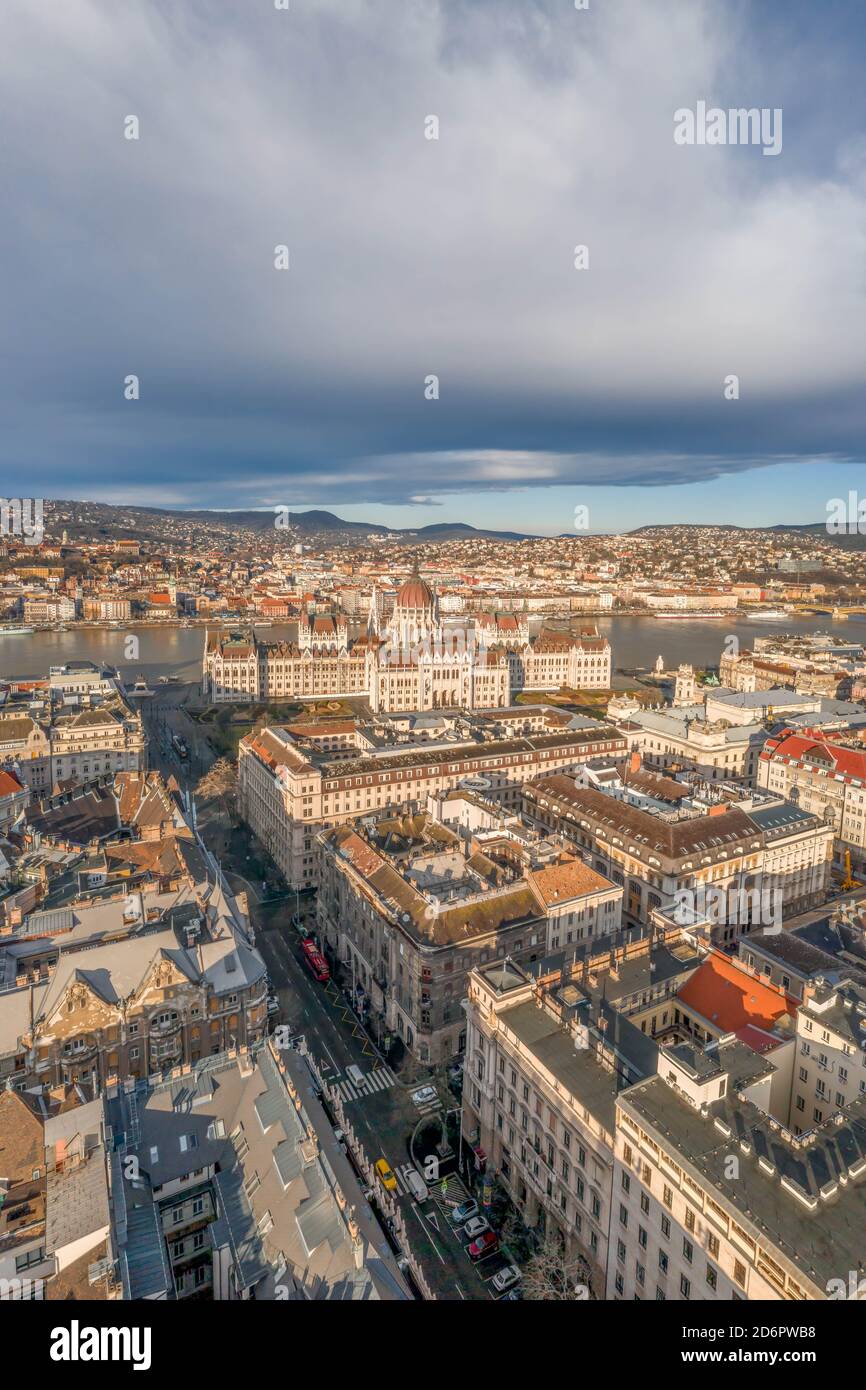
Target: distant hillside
(818,529)
(98,518)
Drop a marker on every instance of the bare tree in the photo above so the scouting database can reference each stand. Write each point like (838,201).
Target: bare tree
(552,1275)
(220,783)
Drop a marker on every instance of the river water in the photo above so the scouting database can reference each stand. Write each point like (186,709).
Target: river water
(177,651)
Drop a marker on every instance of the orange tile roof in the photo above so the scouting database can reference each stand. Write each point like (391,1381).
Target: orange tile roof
(729,998)
(571,878)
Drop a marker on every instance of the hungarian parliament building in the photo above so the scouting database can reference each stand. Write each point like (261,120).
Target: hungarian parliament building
(416,661)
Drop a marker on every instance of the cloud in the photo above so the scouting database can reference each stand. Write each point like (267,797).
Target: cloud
(411,257)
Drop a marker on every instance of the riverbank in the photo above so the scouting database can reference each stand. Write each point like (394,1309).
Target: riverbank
(170,648)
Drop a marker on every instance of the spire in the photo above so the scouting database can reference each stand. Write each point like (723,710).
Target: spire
(373,617)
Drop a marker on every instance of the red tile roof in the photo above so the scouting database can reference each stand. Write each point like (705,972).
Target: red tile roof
(9,784)
(798,748)
(729,998)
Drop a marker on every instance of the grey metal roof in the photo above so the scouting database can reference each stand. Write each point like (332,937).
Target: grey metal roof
(147,1268)
(778,817)
(250,1261)
(46,923)
(270,1107)
(288,1161)
(319,1221)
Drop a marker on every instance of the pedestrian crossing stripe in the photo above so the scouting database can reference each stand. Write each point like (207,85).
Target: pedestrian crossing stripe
(382,1079)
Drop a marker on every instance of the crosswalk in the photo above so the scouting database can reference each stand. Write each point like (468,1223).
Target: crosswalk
(379,1079)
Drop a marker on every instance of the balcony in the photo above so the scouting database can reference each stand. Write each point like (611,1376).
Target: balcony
(162,1051)
(72,1055)
(165,1029)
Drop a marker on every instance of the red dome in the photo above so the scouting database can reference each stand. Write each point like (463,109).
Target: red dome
(415,594)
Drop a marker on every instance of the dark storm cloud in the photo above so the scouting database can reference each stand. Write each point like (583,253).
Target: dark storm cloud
(412,257)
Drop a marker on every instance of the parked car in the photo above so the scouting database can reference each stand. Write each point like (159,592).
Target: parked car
(466,1210)
(386,1177)
(512,1297)
(355,1074)
(424,1096)
(486,1244)
(417,1186)
(476,1227)
(506,1278)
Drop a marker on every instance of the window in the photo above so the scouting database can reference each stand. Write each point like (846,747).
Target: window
(666,1227)
(740,1273)
(667,1196)
(713,1246)
(626,1182)
(685,1286)
(644,1203)
(623,1215)
(663,1262)
(688,1250)
(712,1277)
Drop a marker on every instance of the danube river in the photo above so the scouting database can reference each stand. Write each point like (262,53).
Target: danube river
(177,651)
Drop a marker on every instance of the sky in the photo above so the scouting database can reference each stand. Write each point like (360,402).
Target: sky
(606,386)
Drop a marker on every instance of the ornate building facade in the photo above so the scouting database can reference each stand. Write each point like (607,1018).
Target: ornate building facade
(416,661)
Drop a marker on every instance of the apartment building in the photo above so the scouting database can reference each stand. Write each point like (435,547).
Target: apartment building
(409,907)
(540,1101)
(49,609)
(830,1066)
(291,785)
(747,671)
(660,1166)
(55,1241)
(718,749)
(128,986)
(106,608)
(716,1200)
(657,841)
(240,1189)
(61,744)
(826,777)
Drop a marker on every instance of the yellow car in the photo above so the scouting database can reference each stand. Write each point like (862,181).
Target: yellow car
(386,1177)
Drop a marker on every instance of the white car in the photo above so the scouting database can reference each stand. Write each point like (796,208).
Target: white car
(424,1096)
(475,1228)
(506,1278)
(464,1212)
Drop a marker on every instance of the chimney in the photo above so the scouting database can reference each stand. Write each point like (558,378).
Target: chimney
(720,809)
(634,761)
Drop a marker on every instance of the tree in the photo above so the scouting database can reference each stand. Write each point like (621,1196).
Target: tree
(220,783)
(552,1275)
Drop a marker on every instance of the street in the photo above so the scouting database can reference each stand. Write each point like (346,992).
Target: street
(379,1106)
